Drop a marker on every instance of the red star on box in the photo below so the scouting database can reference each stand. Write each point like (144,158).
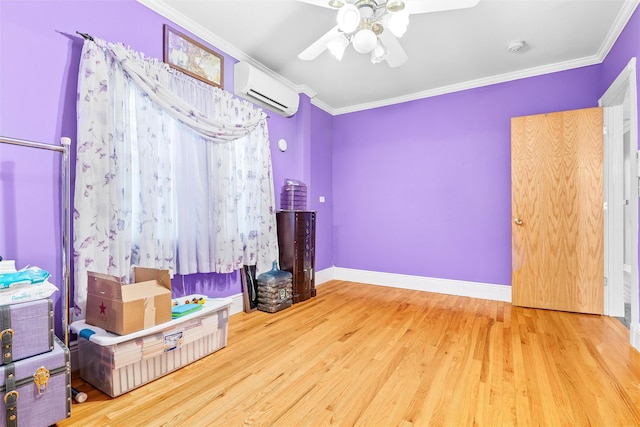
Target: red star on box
(102,308)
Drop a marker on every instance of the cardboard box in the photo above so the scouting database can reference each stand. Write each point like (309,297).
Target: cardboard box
(123,309)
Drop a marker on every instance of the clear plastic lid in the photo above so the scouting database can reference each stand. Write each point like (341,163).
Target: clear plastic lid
(274,276)
(294,182)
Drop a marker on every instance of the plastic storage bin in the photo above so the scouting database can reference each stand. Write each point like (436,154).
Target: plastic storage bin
(293,195)
(116,364)
(275,290)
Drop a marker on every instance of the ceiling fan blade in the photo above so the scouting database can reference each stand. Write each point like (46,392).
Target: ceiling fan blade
(396,56)
(321,3)
(426,6)
(319,46)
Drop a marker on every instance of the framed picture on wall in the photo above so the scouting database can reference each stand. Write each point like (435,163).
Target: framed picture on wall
(187,55)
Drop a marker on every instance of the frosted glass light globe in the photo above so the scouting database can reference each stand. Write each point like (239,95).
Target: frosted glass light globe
(337,46)
(364,41)
(398,23)
(348,18)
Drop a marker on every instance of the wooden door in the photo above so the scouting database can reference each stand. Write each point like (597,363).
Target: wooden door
(557,211)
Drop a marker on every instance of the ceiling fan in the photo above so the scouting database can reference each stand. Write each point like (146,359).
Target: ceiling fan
(374,26)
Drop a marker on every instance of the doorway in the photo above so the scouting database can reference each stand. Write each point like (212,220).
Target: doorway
(623,92)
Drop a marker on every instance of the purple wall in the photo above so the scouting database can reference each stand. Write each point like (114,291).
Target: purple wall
(287,164)
(321,184)
(423,188)
(308,159)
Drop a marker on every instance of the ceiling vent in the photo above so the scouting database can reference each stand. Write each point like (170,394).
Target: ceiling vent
(261,89)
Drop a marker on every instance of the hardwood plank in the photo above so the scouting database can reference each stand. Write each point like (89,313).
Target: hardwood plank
(370,355)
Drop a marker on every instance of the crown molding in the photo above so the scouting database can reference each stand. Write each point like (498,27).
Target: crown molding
(224,46)
(473,84)
(623,17)
(323,106)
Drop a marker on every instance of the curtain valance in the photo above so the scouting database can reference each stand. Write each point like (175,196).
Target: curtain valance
(140,70)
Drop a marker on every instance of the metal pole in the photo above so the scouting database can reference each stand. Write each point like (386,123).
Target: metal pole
(32,144)
(66,229)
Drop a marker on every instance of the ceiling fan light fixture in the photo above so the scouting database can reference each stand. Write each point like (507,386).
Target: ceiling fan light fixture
(377,28)
(364,41)
(337,46)
(379,53)
(395,6)
(336,4)
(348,18)
(398,23)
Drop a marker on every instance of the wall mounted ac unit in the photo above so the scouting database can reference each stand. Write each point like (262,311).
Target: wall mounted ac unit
(262,89)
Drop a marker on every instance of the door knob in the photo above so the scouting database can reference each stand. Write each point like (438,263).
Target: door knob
(518,221)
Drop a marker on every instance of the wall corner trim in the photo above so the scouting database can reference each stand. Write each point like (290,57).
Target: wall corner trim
(323,276)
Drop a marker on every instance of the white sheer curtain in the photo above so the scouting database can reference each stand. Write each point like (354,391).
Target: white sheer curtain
(170,172)
(235,192)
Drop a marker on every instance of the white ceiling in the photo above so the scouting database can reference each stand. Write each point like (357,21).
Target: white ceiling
(447,51)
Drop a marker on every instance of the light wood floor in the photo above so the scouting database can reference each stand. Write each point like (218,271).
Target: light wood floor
(375,356)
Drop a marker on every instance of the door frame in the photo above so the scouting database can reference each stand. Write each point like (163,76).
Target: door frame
(624,91)
(613,118)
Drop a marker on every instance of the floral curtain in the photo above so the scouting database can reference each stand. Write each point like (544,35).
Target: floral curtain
(170,172)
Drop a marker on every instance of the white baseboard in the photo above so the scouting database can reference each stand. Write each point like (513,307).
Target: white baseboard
(323,276)
(405,281)
(634,330)
(237,304)
(428,284)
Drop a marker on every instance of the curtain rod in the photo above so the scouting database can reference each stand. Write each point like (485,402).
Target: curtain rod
(25,143)
(85,35)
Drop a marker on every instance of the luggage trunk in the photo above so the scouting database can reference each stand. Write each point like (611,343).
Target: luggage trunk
(37,390)
(26,329)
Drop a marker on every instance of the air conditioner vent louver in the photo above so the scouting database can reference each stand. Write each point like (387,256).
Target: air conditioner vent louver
(263,90)
(268,100)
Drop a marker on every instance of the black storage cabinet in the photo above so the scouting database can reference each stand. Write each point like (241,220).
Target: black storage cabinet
(297,240)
